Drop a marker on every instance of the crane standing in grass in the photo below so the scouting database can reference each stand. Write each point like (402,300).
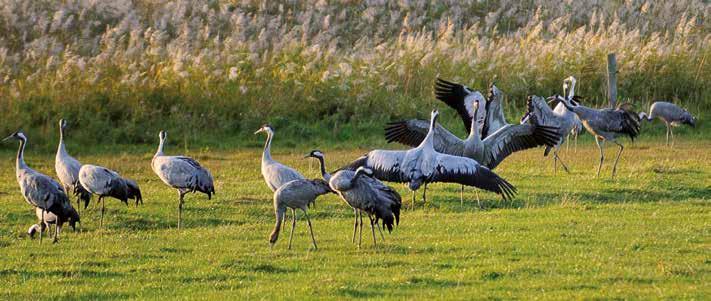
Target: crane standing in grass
(39,190)
(671,114)
(182,173)
(606,125)
(105,182)
(67,169)
(366,194)
(275,173)
(296,194)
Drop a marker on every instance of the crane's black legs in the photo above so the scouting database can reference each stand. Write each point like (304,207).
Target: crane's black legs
(293,226)
(412,205)
(181,197)
(372,228)
(424,195)
(103,208)
(42,226)
(380,230)
(355,225)
(556,158)
(461,196)
(614,167)
(360,231)
(311,229)
(56,231)
(600,144)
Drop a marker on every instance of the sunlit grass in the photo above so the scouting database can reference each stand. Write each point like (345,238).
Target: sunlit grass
(644,234)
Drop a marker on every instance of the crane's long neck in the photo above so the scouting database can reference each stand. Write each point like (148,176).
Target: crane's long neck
(474,135)
(266,155)
(571,93)
(159,151)
(326,176)
(427,142)
(21,155)
(61,149)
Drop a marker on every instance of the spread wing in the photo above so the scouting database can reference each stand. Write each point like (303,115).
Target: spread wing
(412,132)
(453,169)
(386,165)
(456,96)
(514,138)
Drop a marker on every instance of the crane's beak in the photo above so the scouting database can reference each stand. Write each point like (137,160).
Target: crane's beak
(6,138)
(307,156)
(259,131)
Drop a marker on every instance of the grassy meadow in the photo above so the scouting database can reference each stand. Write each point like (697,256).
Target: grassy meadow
(644,234)
(328,75)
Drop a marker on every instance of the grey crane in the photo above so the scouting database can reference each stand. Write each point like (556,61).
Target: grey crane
(562,119)
(671,114)
(577,125)
(606,125)
(182,173)
(39,190)
(71,216)
(275,173)
(489,152)
(366,194)
(67,169)
(104,182)
(296,194)
(424,164)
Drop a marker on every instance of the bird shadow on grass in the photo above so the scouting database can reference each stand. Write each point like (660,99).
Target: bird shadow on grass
(79,273)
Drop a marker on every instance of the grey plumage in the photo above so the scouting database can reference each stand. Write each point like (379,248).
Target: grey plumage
(423,164)
(366,194)
(296,194)
(489,151)
(182,173)
(670,114)
(275,174)
(67,168)
(39,190)
(561,118)
(606,125)
(104,182)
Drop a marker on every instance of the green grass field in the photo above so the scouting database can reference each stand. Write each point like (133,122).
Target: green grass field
(643,235)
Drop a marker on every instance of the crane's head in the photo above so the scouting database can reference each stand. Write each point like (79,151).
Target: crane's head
(315,154)
(568,84)
(162,135)
(265,129)
(494,93)
(687,118)
(19,135)
(434,115)
(73,218)
(364,170)
(62,123)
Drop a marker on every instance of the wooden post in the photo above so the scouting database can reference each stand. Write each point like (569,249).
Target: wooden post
(612,79)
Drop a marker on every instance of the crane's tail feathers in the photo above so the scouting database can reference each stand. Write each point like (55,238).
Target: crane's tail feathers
(547,151)
(133,191)
(83,194)
(630,121)
(388,208)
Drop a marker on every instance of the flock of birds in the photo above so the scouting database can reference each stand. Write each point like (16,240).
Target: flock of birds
(436,155)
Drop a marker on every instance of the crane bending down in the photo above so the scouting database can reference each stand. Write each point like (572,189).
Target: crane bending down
(39,190)
(67,169)
(606,125)
(366,194)
(296,194)
(105,182)
(71,216)
(182,173)
(671,114)
(424,164)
